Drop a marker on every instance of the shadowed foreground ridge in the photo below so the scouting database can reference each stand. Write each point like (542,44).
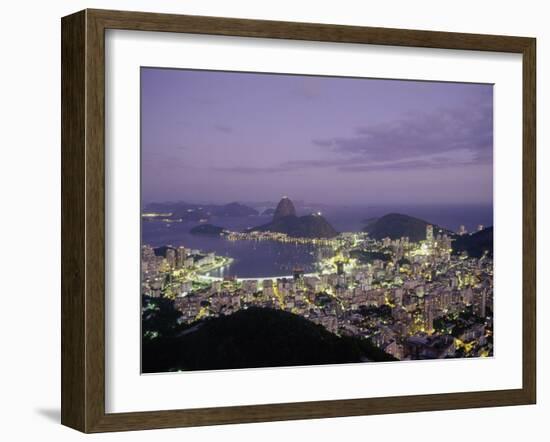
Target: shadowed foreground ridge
(256,337)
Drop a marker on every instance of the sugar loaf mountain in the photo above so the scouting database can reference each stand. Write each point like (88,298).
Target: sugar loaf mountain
(286,221)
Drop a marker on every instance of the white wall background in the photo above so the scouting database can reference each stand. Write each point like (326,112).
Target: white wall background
(30,215)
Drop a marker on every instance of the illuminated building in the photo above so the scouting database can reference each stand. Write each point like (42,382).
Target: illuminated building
(480,303)
(181,255)
(250,285)
(164,266)
(171,257)
(185,288)
(430,233)
(467,296)
(147,253)
(267,287)
(407,296)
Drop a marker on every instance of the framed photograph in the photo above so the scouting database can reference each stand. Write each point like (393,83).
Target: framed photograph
(269,220)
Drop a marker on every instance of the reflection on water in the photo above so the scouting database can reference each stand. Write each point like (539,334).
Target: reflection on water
(255,259)
(267,258)
(251,258)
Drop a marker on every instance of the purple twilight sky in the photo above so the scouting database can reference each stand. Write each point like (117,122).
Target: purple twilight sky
(222,136)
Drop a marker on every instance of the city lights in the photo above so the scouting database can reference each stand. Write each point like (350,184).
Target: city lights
(414,300)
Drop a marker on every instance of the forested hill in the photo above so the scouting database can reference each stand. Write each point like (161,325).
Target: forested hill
(397,225)
(256,337)
(476,244)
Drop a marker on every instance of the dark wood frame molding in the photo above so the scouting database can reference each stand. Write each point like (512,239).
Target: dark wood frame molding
(83,216)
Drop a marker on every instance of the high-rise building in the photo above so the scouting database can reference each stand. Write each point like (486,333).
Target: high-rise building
(467,296)
(181,255)
(267,287)
(164,266)
(462,230)
(398,296)
(171,257)
(480,227)
(480,303)
(147,253)
(430,233)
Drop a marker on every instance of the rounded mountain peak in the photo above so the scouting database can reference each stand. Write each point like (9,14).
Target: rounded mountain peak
(284,208)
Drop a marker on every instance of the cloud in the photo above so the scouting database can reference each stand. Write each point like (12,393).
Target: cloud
(323,143)
(421,134)
(452,137)
(287,166)
(246,170)
(432,164)
(356,165)
(223,129)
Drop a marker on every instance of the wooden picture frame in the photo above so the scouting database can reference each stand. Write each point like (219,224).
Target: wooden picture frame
(83,220)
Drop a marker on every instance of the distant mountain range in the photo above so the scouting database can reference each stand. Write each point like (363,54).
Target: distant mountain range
(268,212)
(397,225)
(286,221)
(255,337)
(196,212)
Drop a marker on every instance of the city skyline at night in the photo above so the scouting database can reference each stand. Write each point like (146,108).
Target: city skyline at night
(294,220)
